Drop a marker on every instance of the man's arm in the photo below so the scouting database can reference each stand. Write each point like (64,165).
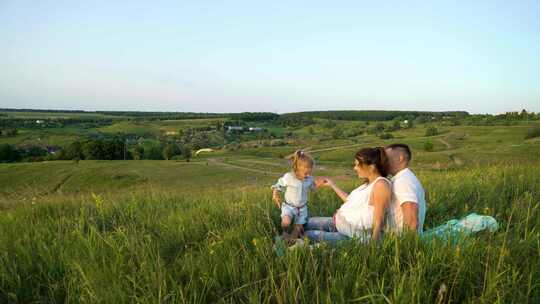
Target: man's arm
(409,210)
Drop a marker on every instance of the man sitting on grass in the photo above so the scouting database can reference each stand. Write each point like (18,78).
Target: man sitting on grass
(408,206)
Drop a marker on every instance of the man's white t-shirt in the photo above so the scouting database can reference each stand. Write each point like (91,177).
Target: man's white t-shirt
(406,188)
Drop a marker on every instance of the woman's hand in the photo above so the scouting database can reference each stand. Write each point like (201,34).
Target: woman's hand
(327,182)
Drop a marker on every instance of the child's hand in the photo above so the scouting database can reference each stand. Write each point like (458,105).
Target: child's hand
(277,200)
(319,181)
(322,181)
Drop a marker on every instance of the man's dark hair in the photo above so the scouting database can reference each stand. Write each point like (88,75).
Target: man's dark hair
(403,148)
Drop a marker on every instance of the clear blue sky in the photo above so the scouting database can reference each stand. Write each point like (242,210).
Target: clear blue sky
(231,56)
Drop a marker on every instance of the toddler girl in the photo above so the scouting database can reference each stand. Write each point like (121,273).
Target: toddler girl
(296,185)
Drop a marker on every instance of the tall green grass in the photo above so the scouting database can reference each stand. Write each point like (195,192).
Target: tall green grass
(159,247)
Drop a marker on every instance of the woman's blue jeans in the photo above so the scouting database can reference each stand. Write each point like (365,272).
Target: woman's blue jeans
(322,229)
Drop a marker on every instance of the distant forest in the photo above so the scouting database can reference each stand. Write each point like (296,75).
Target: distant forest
(264,116)
(373,115)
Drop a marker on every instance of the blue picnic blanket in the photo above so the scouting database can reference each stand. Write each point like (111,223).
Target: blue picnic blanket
(467,225)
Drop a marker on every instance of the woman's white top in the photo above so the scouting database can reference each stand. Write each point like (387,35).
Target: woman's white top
(355,217)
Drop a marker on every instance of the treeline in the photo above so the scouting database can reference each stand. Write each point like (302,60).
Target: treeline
(102,149)
(523,115)
(508,118)
(43,111)
(9,132)
(163,115)
(244,116)
(53,122)
(97,149)
(11,153)
(287,120)
(373,115)
(253,116)
(118,149)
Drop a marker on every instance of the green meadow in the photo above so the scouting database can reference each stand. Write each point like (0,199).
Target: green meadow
(151,231)
(182,246)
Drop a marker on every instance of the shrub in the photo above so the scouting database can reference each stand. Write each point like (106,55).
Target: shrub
(171,150)
(337,133)
(386,136)
(533,132)
(428,146)
(431,131)
(9,153)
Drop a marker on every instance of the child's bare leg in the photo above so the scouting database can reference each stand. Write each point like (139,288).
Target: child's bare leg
(297,231)
(285,224)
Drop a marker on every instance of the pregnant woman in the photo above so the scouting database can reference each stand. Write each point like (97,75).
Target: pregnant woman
(364,210)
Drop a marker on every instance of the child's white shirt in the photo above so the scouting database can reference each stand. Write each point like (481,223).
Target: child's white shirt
(296,190)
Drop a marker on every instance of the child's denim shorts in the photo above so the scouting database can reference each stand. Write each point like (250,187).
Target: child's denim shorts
(299,215)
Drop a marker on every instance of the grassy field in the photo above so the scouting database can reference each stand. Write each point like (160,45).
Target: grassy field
(216,246)
(201,231)
(56,178)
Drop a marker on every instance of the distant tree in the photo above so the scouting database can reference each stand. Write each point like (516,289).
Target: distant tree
(200,140)
(431,131)
(109,149)
(171,150)
(533,132)
(337,133)
(394,126)
(93,149)
(351,132)
(328,124)
(377,129)
(12,132)
(295,121)
(186,152)
(138,152)
(233,146)
(386,136)
(311,131)
(72,151)
(9,153)
(34,153)
(428,146)
(455,121)
(153,151)
(421,119)
(219,125)
(187,135)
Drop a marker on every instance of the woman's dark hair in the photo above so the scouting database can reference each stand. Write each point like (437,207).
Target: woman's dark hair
(373,156)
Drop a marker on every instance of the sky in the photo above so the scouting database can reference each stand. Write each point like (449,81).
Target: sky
(275,56)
